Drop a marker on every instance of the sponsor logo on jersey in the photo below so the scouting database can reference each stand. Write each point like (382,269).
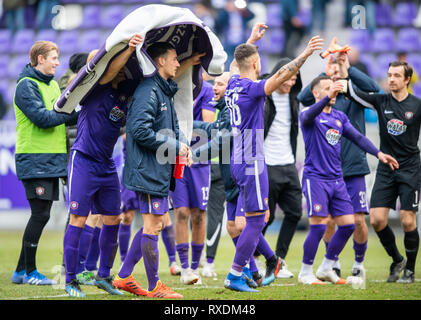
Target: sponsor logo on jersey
(317,207)
(116,114)
(409,115)
(396,127)
(333,136)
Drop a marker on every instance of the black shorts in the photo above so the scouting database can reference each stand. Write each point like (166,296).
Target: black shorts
(402,183)
(285,189)
(44,189)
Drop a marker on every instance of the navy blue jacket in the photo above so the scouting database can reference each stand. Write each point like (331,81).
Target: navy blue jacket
(354,160)
(221,141)
(152,138)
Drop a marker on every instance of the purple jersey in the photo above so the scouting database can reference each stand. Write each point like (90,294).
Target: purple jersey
(102,115)
(246,101)
(322,134)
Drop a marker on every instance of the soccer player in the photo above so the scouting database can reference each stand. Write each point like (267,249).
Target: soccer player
(323,185)
(399,119)
(245,97)
(93,179)
(153,135)
(41,156)
(353,159)
(190,198)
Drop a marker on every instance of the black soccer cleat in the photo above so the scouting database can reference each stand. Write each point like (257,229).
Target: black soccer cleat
(408,276)
(395,270)
(257,277)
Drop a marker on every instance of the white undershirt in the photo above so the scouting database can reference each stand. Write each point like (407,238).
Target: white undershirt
(277,144)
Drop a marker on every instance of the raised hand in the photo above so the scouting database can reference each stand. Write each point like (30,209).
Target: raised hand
(134,41)
(257,32)
(315,43)
(334,89)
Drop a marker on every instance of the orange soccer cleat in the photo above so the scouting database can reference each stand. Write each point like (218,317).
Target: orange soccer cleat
(162,291)
(334,48)
(130,285)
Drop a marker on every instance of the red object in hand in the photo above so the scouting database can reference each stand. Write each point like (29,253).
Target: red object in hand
(180,162)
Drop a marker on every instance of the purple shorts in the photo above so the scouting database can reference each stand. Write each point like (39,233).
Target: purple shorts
(93,186)
(357,192)
(326,197)
(152,204)
(233,209)
(252,179)
(192,191)
(129,200)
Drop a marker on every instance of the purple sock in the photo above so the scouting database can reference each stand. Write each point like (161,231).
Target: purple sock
(93,253)
(311,244)
(124,233)
(71,251)
(183,254)
(133,256)
(338,241)
(108,248)
(168,238)
(253,266)
(360,249)
(247,241)
(84,244)
(264,248)
(150,258)
(196,253)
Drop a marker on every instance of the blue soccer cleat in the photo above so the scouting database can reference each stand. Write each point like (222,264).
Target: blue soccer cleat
(38,279)
(73,289)
(247,275)
(237,284)
(17,277)
(272,268)
(107,285)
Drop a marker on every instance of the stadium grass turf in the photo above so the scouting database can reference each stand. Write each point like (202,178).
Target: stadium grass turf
(377,263)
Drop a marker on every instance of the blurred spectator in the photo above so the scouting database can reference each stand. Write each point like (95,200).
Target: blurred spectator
(44,14)
(414,79)
(293,27)
(354,60)
(3,106)
(318,16)
(203,12)
(231,26)
(14,14)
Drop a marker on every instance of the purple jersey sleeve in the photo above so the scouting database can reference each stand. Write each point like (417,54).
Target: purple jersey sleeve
(308,114)
(356,137)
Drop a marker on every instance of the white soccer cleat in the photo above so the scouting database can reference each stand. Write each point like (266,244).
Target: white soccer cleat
(310,279)
(284,273)
(175,269)
(196,273)
(188,277)
(209,270)
(329,275)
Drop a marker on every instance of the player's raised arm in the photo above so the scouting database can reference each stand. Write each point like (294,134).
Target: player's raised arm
(288,70)
(187,63)
(257,32)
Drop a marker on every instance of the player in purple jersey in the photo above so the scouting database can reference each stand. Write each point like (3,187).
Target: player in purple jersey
(190,197)
(246,97)
(322,183)
(93,179)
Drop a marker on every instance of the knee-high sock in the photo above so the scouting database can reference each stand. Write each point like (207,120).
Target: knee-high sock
(84,245)
(311,244)
(263,247)
(387,239)
(183,254)
(124,233)
(247,242)
(71,251)
(411,241)
(150,258)
(196,253)
(108,249)
(360,249)
(338,241)
(133,256)
(168,238)
(93,253)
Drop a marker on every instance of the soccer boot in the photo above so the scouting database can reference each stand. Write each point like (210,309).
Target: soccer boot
(395,270)
(329,275)
(208,270)
(36,278)
(237,284)
(17,277)
(309,278)
(284,273)
(188,277)
(86,278)
(272,268)
(175,269)
(130,285)
(73,289)
(358,272)
(162,291)
(247,275)
(107,285)
(196,273)
(408,276)
(257,277)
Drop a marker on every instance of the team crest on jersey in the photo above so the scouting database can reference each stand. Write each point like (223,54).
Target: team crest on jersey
(74,205)
(116,114)
(396,127)
(339,123)
(317,207)
(409,115)
(156,205)
(333,136)
(39,191)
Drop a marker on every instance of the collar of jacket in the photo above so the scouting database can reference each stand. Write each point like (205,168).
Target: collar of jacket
(29,71)
(220,104)
(169,87)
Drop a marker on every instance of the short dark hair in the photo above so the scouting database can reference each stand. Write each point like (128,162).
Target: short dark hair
(407,69)
(242,52)
(159,49)
(317,80)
